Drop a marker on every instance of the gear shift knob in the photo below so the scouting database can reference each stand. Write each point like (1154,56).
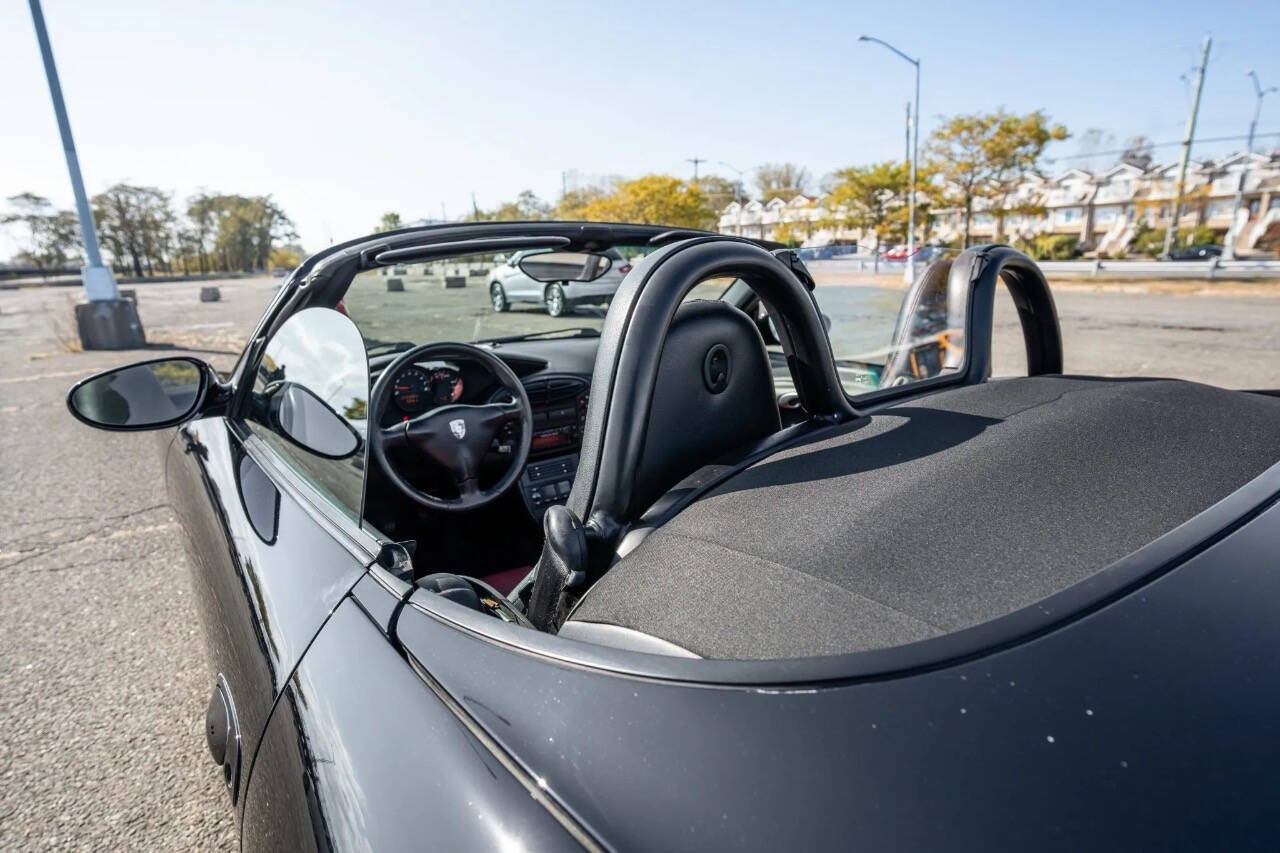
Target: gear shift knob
(562,566)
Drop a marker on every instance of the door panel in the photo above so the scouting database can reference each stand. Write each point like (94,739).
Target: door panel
(265,578)
(360,754)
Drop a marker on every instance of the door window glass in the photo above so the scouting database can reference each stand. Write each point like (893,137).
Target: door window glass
(310,403)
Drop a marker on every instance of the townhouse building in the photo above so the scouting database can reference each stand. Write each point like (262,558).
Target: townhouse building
(1103,211)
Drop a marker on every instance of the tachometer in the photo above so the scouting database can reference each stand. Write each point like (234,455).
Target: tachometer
(412,390)
(446,385)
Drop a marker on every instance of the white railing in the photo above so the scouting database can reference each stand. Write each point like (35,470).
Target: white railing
(1136,270)
(1211,269)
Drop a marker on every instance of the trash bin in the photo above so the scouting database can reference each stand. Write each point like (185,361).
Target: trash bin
(395,285)
(210,294)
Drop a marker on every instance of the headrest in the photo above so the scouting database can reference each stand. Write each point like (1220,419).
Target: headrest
(714,392)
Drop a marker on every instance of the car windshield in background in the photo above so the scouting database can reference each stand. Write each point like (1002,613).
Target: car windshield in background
(507,296)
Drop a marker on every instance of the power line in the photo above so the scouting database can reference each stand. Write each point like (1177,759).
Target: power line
(1158,145)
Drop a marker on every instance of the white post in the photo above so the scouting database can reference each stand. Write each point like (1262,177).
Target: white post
(99,283)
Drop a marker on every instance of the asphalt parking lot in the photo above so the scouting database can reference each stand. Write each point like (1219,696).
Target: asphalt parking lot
(103,677)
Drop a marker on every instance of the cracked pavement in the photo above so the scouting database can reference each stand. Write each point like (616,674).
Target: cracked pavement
(103,679)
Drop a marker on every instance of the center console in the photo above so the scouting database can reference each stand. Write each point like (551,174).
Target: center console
(559,405)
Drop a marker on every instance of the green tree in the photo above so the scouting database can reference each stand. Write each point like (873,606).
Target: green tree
(390,222)
(781,180)
(202,218)
(52,236)
(985,156)
(871,199)
(135,223)
(653,200)
(247,227)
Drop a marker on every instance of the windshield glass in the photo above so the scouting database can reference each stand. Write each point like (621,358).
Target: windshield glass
(487,297)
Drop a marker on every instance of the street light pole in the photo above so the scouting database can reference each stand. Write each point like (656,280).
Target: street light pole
(99,284)
(737,187)
(105,321)
(1229,251)
(915,156)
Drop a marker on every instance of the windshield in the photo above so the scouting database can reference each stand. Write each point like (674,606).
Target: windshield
(473,298)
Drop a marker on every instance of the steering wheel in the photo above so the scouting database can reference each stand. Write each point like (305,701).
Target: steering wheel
(455,437)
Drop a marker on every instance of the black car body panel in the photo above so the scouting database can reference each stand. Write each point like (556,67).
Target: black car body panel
(262,597)
(361,755)
(1150,723)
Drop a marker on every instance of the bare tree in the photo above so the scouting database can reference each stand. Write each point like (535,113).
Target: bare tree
(781,180)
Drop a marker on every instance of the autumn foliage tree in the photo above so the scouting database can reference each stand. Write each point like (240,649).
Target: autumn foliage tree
(871,199)
(982,158)
(654,200)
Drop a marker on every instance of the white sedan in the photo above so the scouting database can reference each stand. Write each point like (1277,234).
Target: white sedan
(509,285)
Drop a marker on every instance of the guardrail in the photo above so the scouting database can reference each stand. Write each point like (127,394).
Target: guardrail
(1210,270)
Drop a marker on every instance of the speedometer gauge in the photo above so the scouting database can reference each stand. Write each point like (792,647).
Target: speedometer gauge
(412,390)
(446,385)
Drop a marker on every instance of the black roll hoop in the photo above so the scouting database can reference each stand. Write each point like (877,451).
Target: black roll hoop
(631,348)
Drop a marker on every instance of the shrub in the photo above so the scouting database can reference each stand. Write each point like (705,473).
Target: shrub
(1049,247)
(1150,241)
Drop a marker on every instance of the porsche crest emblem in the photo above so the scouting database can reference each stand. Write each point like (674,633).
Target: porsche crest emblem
(458,427)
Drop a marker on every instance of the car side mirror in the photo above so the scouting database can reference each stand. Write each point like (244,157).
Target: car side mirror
(310,422)
(147,395)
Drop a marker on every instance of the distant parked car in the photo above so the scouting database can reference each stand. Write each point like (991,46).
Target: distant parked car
(827,252)
(509,284)
(922,253)
(1198,252)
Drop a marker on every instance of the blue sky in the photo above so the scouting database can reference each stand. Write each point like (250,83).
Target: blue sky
(343,111)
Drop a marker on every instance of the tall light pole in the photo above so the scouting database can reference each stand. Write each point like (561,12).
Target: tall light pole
(915,156)
(1229,251)
(1186,149)
(107,321)
(99,284)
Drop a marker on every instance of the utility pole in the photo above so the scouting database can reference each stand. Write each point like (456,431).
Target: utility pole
(1186,149)
(695,161)
(107,321)
(1229,251)
(475,208)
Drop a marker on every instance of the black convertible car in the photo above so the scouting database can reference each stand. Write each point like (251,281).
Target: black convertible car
(676,577)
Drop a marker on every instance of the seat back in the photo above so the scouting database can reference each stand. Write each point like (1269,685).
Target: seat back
(714,392)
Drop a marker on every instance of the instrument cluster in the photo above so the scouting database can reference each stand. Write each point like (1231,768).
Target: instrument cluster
(417,388)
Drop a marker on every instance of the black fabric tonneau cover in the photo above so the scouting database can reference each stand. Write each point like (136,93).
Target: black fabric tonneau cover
(936,514)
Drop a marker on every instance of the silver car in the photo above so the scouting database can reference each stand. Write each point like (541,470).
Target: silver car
(509,285)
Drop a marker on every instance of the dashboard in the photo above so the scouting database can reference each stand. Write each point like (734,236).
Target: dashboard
(559,407)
